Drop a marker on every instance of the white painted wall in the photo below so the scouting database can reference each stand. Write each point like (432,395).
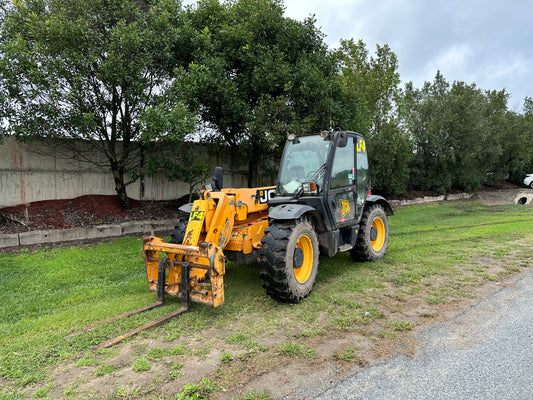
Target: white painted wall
(37,171)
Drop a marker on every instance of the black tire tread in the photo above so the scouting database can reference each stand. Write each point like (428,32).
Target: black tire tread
(178,234)
(272,257)
(363,251)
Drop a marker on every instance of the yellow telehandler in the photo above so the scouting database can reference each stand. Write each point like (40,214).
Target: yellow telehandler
(321,204)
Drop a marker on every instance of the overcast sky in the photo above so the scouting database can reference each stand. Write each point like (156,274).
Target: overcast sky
(487,42)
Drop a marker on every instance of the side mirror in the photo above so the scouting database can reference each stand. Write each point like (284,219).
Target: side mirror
(218,179)
(342,140)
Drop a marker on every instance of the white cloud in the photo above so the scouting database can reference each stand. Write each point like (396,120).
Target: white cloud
(475,41)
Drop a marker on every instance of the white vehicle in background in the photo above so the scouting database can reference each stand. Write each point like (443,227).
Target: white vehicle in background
(528,181)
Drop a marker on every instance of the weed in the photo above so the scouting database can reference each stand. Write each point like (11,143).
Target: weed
(141,365)
(44,391)
(350,318)
(226,358)
(156,353)
(196,392)
(105,369)
(177,350)
(387,333)
(86,361)
(510,270)
(125,392)
(434,300)
(254,345)
(295,349)
(400,326)
(347,355)
(487,276)
(237,338)
(175,371)
(200,352)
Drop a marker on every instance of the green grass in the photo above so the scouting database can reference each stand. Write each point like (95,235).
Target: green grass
(141,365)
(295,349)
(199,391)
(347,355)
(432,255)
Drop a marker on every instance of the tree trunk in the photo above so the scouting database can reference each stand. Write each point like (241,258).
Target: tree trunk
(120,185)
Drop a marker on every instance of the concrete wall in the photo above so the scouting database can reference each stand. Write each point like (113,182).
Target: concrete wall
(46,170)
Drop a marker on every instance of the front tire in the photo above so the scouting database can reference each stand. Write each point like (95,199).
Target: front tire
(373,238)
(289,260)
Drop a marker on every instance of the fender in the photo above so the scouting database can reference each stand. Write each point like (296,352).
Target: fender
(373,198)
(289,211)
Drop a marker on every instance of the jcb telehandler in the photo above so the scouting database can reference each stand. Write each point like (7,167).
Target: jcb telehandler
(321,204)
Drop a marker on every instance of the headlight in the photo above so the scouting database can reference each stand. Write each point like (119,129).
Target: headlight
(309,188)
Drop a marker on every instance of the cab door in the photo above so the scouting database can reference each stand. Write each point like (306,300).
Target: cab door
(362,174)
(342,194)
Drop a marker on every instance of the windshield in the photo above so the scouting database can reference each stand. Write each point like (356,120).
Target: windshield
(303,160)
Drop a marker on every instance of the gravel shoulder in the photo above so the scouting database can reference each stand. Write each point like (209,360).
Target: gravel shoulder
(484,352)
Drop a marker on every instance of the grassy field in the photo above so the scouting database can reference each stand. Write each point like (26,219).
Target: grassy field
(437,255)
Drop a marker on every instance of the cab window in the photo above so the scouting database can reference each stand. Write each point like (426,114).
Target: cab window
(343,170)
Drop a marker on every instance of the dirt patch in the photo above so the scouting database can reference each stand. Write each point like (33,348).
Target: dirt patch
(83,211)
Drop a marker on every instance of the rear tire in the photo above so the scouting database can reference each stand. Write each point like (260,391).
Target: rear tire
(289,260)
(373,238)
(178,234)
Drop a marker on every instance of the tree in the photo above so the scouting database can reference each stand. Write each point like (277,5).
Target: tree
(424,117)
(256,76)
(3,88)
(375,79)
(370,98)
(474,125)
(463,135)
(517,152)
(99,71)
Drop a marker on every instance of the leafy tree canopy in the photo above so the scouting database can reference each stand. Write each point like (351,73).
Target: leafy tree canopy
(99,70)
(133,76)
(256,75)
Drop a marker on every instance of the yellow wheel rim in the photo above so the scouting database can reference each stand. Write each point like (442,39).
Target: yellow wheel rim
(379,226)
(303,273)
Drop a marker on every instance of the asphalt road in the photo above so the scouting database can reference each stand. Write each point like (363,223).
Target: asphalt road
(484,353)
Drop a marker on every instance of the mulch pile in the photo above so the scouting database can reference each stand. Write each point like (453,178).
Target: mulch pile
(83,211)
(100,209)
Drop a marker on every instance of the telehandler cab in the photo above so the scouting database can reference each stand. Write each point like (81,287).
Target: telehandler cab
(321,204)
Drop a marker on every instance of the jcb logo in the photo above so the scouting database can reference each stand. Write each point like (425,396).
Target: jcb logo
(345,207)
(263,196)
(197,216)
(361,146)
